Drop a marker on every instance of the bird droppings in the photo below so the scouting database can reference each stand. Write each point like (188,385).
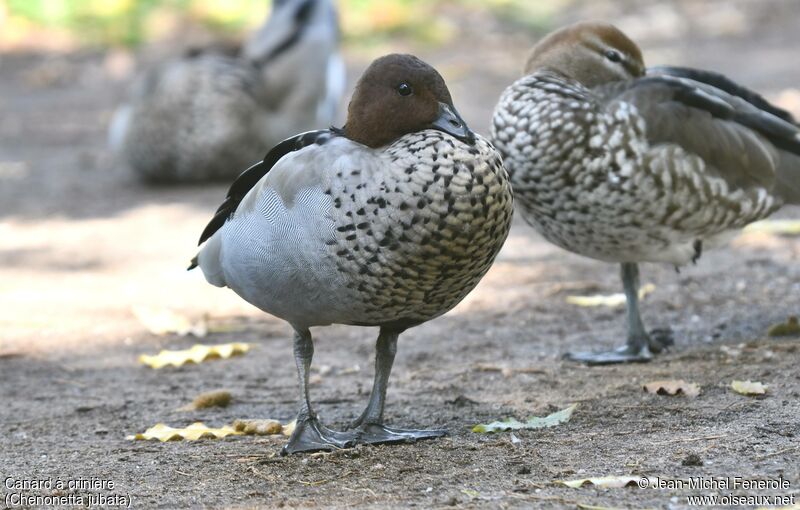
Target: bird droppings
(692,459)
(219,398)
(258,427)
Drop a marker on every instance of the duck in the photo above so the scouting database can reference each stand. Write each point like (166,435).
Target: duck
(387,222)
(624,164)
(210,113)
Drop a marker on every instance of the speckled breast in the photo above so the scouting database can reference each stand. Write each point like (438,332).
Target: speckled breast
(416,237)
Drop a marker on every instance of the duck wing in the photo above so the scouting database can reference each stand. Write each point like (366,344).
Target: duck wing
(250,177)
(724,83)
(747,146)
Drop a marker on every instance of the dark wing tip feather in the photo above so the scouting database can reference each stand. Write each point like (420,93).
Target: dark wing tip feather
(250,177)
(725,84)
(779,131)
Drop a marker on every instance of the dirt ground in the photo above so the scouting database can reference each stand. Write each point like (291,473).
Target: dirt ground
(82,243)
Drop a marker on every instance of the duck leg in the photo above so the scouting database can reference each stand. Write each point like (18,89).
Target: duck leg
(369,426)
(309,434)
(640,346)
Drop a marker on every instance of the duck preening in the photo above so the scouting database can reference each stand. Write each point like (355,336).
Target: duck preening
(389,222)
(623,164)
(209,114)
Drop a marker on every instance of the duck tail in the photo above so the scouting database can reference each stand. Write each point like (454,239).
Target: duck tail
(192,264)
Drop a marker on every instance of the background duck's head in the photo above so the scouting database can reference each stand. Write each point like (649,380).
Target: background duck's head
(398,95)
(589,52)
(291,24)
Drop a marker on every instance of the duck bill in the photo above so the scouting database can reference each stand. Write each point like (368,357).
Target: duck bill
(451,123)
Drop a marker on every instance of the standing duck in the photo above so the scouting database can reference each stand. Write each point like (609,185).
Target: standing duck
(389,222)
(622,165)
(203,116)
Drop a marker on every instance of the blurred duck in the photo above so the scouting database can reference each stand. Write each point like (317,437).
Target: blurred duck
(388,222)
(209,114)
(625,165)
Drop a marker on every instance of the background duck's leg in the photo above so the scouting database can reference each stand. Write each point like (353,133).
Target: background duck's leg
(309,434)
(639,346)
(369,426)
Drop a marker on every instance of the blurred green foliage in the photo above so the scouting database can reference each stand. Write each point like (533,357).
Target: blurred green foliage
(131,22)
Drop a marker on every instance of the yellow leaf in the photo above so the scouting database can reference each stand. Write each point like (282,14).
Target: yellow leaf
(163,321)
(672,387)
(288,429)
(193,432)
(197,354)
(779,227)
(748,387)
(610,300)
(603,482)
(258,427)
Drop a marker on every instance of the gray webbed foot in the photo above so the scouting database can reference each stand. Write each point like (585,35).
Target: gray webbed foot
(375,433)
(624,354)
(310,436)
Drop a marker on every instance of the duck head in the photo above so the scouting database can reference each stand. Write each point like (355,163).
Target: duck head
(592,53)
(398,95)
(289,24)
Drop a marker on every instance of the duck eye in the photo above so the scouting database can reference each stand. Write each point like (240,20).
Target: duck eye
(404,89)
(613,56)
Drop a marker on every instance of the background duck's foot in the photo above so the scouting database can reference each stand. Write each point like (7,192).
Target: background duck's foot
(625,354)
(661,339)
(310,436)
(375,433)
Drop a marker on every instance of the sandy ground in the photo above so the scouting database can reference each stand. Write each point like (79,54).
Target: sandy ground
(83,243)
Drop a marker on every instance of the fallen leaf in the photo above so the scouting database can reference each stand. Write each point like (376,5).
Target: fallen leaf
(196,354)
(603,482)
(220,398)
(193,432)
(672,387)
(777,227)
(789,328)
(748,387)
(556,418)
(163,321)
(471,493)
(258,427)
(610,300)
(288,429)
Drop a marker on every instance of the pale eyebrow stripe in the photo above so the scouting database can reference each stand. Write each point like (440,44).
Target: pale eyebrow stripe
(600,47)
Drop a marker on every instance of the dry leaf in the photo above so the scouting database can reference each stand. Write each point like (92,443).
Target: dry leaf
(258,427)
(603,482)
(610,300)
(789,328)
(777,227)
(288,429)
(163,321)
(197,354)
(748,387)
(672,387)
(193,432)
(536,422)
(220,398)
